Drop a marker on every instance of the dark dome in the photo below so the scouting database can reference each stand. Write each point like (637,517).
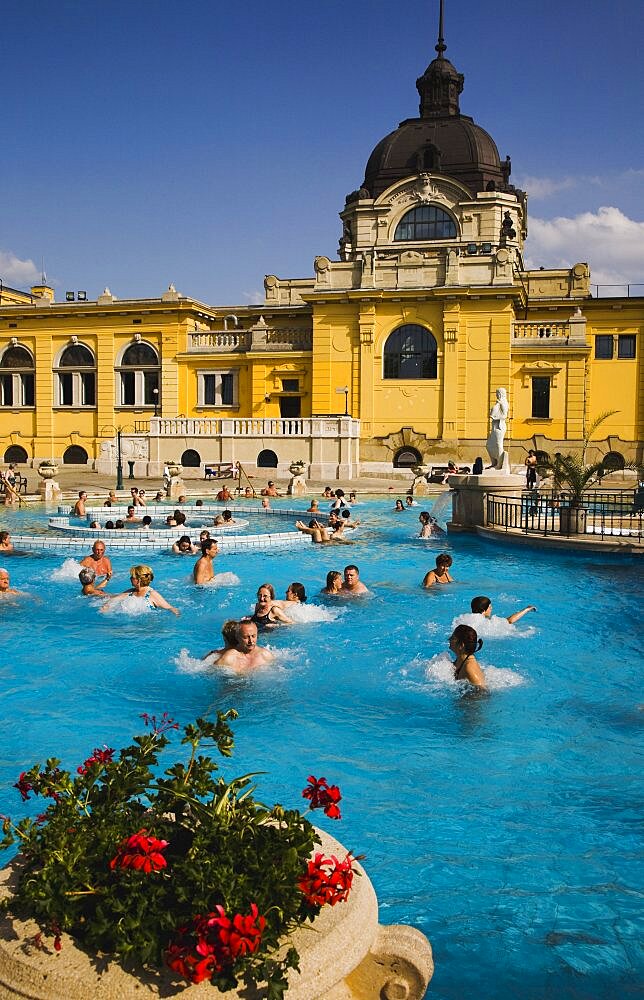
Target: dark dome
(441,141)
(453,145)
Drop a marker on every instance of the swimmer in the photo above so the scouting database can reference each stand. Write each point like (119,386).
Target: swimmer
(333,583)
(137,500)
(266,504)
(203,535)
(249,493)
(204,571)
(87,577)
(352,498)
(319,534)
(159,496)
(410,502)
(483,606)
(94,524)
(429,525)
(270,490)
(339,500)
(6,545)
(183,546)
(465,643)
(141,577)
(229,635)
(218,521)
(6,589)
(198,503)
(353,585)
(111,496)
(441,573)
(268,614)
(118,523)
(79,506)
(99,562)
(183,499)
(170,521)
(228,517)
(146,521)
(295,594)
(328,493)
(224,494)
(246,654)
(314,507)
(109,525)
(179,517)
(131,516)
(399,505)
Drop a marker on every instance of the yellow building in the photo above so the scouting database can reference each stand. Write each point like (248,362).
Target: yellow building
(388,356)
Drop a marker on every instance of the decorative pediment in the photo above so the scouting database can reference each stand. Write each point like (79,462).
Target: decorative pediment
(544,369)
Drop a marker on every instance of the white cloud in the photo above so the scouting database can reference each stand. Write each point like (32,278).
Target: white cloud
(608,240)
(543,187)
(15,272)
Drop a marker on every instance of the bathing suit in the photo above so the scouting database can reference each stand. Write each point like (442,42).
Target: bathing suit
(148,601)
(457,670)
(263,621)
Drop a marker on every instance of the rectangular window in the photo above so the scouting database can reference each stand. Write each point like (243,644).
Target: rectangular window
(217,388)
(626,345)
(6,390)
(128,396)
(541,397)
(65,389)
(150,383)
(290,385)
(604,347)
(88,388)
(28,390)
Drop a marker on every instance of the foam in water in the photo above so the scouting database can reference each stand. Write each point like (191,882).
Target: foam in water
(131,606)
(223,580)
(439,672)
(68,571)
(302,614)
(493,627)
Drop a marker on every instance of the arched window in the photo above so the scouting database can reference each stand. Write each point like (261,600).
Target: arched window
(75,455)
(427,222)
(191,459)
(410,352)
(406,458)
(614,461)
(15,453)
(267,459)
(138,376)
(75,377)
(17,377)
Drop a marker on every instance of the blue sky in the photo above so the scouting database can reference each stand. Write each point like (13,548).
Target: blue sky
(206,144)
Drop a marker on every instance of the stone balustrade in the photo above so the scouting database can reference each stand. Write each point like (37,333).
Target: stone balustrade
(541,330)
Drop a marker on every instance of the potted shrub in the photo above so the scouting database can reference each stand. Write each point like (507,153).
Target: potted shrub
(296,468)
(173,868)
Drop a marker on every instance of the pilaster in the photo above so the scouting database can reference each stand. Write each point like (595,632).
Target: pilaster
(366,333)
(451,317)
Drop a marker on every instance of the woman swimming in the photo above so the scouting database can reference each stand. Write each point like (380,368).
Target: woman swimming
(464,642)
(141,577)
(267,613)
(333,583)
(441,573)
(295,594)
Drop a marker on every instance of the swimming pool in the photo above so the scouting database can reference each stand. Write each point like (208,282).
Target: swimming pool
(505,827)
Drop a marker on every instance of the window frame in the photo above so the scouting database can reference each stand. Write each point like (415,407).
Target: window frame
(546,381)
(20,379)
(83,377)
(435,222)
(622,338)
(606,339)
(218,374)
(400,355)
(142,400)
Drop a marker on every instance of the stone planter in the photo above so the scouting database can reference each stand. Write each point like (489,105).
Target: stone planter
(572,520)
(174,469)
(47,471)
(344,954)
(296,468)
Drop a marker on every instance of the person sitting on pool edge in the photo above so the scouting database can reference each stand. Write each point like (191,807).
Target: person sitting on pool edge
(87,577)
(483,606)
(441,573)
(245,654)
(464,642)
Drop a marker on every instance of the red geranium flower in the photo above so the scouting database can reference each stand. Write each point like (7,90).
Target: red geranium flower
(140,852)
(322,795)
(99,756)
(213,941)
(327,880)
(24,786)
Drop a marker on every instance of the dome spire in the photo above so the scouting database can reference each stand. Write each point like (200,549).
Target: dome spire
(440,85)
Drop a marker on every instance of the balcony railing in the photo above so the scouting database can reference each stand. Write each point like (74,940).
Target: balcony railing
(541,331)
(219,341)
(603,514)
(261,427)
(626,291)
(259,338)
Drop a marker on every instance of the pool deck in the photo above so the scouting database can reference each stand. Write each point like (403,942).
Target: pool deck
(598,543)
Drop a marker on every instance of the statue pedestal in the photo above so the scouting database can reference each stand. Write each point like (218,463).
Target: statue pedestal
(469,503)
(49,490)
(176,488)
(297,486)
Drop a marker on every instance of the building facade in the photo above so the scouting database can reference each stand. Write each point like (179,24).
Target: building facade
(388,356)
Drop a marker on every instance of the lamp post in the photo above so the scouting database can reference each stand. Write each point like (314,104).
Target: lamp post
(345,390)
(155,393)
(119,462)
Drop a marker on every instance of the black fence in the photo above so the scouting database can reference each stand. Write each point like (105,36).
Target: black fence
(602,514)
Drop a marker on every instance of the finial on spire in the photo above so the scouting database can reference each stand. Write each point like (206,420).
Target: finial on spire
(441,46)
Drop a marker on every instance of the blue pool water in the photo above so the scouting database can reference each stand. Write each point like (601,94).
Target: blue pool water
(505,827)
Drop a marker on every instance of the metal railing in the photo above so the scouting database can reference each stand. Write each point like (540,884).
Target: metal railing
(625,290)
(603,514)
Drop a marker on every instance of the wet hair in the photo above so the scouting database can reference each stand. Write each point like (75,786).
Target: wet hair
(81,492)
(87,575)
(339,493)
(345,513)
(207,544)
(183,539)
(227,515)
(109,525)
(198,503)
(444,559)
(424,517)
(479,605)
(203,534)
(142,573)
(313,523)
(182,498)
(218,520)
(269,587)
(229,632)
(399,503)
(108,503)
(468,638)
(351,566)
(298,590)
(130,509)
(179,517)
(147,519)
(4,535)
(119,523)
(331,577)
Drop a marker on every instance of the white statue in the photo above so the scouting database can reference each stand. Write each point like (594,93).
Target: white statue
(494,444)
